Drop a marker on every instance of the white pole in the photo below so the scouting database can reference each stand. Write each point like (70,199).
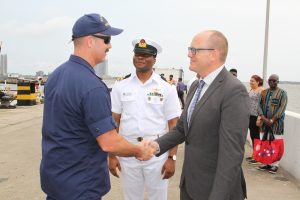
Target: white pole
(265,64)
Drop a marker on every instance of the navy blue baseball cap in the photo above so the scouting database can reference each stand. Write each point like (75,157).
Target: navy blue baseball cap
(91,24)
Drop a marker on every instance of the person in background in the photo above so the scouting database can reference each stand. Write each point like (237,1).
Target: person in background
(213,125)
(233,71)
(181,87)
(145,107)
(171,80)
(78,128)
(256,83)
(272,105)
(191,81)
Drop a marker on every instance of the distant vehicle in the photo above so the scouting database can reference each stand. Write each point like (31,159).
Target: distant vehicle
(13,75)
(6,100)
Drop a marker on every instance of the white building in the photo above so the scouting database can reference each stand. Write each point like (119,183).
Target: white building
(3,64)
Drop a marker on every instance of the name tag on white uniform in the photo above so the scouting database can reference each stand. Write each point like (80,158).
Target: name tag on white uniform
(127,96)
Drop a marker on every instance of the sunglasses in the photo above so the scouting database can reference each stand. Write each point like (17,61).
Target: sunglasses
(106,39)
(273,80)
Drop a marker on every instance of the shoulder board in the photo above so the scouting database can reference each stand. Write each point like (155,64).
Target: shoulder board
(122,78)
(127,76)
(163,78)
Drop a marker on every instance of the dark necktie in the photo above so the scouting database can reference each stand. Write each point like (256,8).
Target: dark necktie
(195,100)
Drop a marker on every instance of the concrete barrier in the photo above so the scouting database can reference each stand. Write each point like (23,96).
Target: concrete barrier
(291,158)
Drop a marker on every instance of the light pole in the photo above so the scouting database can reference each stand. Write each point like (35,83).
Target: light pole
(265,64)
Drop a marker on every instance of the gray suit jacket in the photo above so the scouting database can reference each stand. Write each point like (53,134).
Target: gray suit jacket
(214,142)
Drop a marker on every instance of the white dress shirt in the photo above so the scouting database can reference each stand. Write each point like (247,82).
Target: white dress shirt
(207,80)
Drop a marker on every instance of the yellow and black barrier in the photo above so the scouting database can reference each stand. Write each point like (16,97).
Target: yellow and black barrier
(26,95)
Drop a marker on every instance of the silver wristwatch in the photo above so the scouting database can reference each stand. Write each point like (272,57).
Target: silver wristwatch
(172,157)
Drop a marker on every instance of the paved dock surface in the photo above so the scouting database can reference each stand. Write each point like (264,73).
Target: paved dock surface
(20,154)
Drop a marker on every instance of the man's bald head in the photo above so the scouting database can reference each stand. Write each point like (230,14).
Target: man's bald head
(218,41)
(274,76)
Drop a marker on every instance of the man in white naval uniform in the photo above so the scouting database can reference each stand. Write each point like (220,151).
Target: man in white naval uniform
(145,107)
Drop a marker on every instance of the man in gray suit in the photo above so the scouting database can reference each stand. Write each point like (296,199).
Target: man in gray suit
(213,125)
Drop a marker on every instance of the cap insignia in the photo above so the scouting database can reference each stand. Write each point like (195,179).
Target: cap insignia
(101,19)
(142,44)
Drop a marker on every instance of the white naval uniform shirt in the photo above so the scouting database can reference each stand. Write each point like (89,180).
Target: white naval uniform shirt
(145,108)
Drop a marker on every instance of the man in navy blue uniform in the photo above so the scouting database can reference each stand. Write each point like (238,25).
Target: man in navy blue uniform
(78,129)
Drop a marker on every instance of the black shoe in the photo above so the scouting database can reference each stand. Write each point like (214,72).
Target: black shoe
(249,158)
(264,168)
(273,170)
(253,162)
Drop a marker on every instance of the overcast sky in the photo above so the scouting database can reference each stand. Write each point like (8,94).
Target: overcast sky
(36,33)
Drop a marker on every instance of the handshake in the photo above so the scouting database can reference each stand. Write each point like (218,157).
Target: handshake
(143,152)
(148,148)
